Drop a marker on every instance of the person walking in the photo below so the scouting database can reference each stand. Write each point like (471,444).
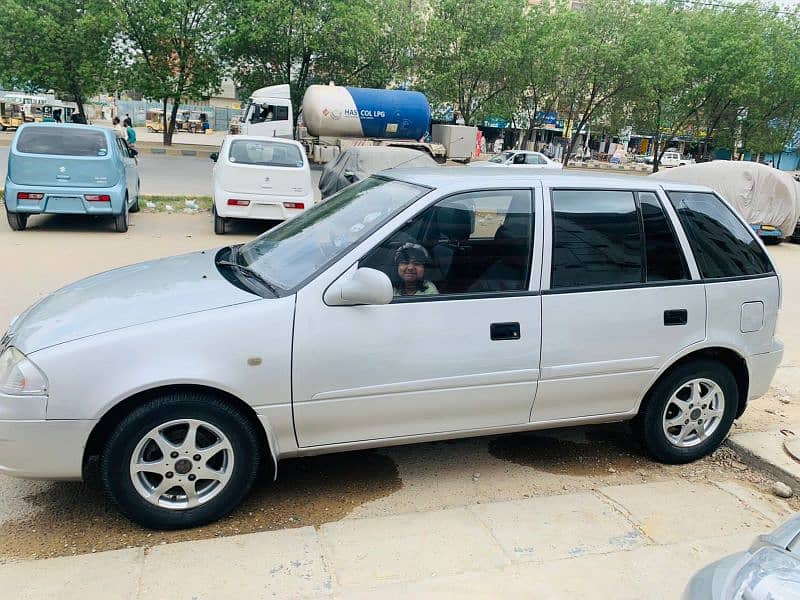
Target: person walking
(130,133)
(117,124)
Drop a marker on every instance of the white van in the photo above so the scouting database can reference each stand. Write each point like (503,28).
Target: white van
(412,306)
(260,178)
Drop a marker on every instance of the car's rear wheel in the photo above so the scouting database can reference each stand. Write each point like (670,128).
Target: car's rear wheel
(181,460)
(688,413)
(135,206)
(17,221)
(121,220)
(220,224)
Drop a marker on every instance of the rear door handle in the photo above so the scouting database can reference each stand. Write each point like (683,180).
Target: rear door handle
(679,316)
(504,331)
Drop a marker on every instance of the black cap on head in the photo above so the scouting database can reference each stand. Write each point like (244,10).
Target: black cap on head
(410,251)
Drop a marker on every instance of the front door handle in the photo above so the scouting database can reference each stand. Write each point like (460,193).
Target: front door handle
(678,316)
(504,331)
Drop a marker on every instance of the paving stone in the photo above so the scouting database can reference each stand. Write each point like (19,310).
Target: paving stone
(409,547)
(102,576)
(274,564)
(676,511)
(553,527)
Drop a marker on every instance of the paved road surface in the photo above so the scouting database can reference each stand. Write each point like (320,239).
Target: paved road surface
(166,175)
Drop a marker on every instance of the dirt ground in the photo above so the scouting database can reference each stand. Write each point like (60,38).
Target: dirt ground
(43,519)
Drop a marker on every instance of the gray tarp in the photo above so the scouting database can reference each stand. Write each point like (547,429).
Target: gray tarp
(761,194)
(363,161)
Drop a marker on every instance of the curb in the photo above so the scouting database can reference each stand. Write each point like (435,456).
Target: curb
(760,464)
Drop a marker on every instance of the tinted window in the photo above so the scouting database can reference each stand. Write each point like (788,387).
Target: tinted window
(63,141)
(273,154)
(477,242)
(596,239)
(722,245)
(664,258)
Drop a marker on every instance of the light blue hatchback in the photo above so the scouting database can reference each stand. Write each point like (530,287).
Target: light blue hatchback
(70,169)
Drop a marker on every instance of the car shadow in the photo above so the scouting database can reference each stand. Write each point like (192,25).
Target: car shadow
(100,223)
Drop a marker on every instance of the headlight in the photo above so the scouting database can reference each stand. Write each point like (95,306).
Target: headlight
(19,376)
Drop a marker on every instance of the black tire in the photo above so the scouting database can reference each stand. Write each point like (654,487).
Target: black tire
(220,224)
(117,452)
(17,221)
(121,220)
(650,419)
(135,206)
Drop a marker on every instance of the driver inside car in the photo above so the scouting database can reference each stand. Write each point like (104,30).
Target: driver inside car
(411,259)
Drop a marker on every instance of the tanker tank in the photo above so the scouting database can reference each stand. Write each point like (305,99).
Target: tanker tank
(342,112)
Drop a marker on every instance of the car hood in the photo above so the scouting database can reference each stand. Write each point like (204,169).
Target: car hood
(124,297)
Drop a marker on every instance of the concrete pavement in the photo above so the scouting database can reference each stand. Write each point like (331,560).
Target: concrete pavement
(627,541)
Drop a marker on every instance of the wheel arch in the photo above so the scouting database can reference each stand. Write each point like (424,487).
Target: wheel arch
(729,357)
(104,427)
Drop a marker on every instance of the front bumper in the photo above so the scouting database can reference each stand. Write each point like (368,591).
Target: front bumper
(762,369)
(43,449)
(64,200)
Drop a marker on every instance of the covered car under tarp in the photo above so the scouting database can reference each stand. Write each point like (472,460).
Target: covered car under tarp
(764,196)
(360,162)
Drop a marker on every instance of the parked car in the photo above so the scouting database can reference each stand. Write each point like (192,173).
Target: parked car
(766,198)
(422,305)
(259,178)
(671,159)
(769,569)
(359,162)
(519,158)
(70,169)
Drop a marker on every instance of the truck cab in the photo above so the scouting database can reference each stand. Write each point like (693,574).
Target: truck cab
(269,113)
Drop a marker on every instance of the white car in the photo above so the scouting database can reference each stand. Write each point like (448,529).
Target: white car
(412,306)
(519,158)
(260,178)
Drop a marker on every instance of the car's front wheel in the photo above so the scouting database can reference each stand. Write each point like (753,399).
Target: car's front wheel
(182,460)
(688,413)
(17,221)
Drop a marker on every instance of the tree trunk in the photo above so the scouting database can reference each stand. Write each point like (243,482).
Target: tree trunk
(167,141)
(172,118)
(655,152)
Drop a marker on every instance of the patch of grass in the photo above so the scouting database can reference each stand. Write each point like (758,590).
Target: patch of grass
(178,203)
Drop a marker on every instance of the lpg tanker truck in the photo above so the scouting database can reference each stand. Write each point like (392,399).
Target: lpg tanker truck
(335,118)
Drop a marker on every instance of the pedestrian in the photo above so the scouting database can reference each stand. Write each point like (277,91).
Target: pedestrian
(117,124)
(130,133)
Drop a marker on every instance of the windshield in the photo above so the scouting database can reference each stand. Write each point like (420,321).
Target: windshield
(501,158)
(62,142)
(289,254)
(272,154)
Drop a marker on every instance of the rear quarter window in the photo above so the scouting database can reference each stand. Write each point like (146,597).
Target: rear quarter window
(62,141)
(722,245)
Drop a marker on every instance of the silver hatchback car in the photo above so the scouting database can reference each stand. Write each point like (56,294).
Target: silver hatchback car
(412,306)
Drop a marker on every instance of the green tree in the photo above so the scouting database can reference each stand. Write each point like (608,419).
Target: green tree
(469,55)
(365,43)
(63,45)
(169,49)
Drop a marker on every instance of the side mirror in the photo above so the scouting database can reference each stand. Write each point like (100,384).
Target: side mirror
(133,153)
(349,175)
(214,156)
(364,286)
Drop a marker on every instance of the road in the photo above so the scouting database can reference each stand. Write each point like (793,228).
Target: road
(166,175)
(41,519)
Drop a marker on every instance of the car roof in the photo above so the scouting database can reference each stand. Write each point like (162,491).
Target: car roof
(260,138)
(63,126)
(467,177)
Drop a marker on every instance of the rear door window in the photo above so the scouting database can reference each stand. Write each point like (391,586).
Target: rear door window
(272,154)
(62,141)
(664,259)
(722,245)
(597,239)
